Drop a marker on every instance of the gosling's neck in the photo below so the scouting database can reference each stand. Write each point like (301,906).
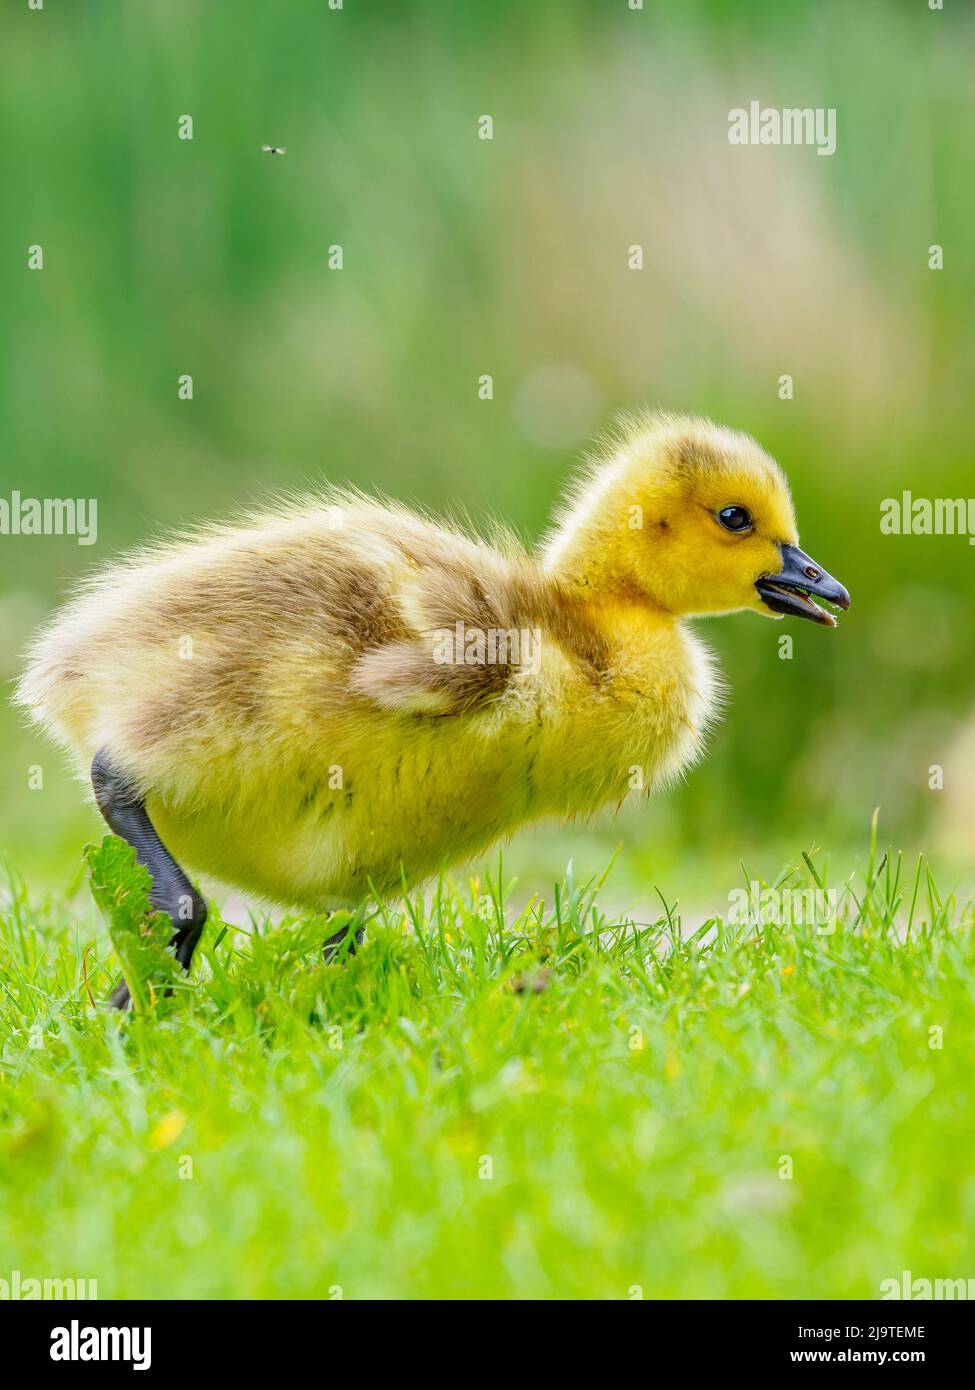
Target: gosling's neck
(585,555)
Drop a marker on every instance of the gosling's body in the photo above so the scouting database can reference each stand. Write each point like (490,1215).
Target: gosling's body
(255,686)
(313,703)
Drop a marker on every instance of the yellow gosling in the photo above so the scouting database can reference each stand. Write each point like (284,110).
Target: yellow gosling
(310,702)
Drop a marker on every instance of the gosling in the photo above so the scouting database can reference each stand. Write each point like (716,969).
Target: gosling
(326,696)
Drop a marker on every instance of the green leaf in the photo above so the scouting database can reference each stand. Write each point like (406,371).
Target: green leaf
(120,886)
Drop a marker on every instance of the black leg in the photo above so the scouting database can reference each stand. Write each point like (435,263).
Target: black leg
(333,948)
(172,891)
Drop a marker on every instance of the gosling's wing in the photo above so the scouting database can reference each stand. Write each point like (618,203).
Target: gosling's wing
(408,678)
(476,619)
(468,616)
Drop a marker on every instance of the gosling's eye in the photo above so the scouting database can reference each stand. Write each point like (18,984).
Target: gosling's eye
(735,518)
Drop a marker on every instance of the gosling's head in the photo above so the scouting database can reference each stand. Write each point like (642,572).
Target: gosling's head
(691,518)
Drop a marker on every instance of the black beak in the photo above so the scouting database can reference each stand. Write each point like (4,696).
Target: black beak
(791,590)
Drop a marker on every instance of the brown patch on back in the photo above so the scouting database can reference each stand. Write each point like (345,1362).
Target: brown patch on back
(328,593)
(485,593)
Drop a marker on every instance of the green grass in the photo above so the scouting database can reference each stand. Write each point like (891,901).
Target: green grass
(485,1101)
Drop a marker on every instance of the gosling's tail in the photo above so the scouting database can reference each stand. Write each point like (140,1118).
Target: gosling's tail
(56,689)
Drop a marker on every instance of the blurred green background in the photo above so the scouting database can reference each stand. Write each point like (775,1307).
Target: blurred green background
(462,257)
